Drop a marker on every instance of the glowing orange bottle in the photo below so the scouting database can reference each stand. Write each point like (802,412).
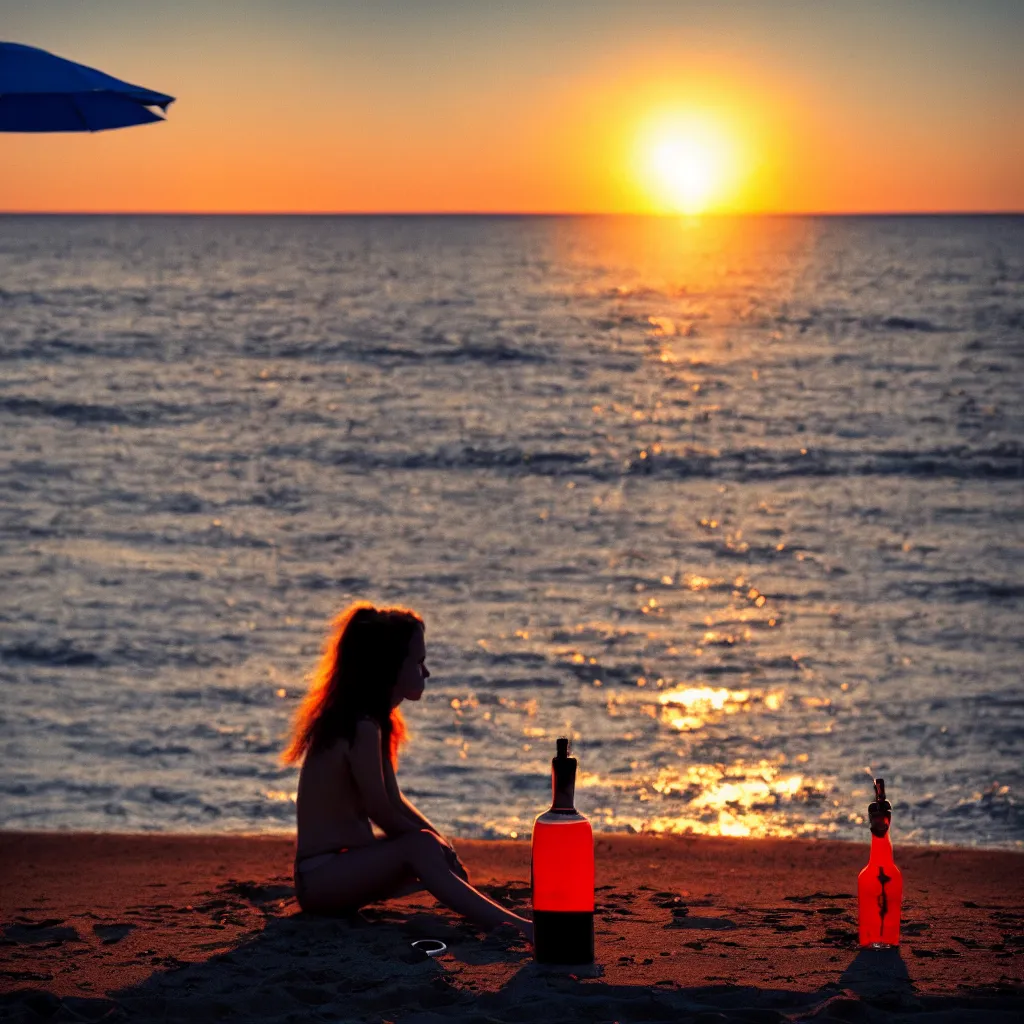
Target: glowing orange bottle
(562,873)
(880,884)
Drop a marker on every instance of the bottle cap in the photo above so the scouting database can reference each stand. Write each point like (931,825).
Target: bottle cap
(880,812)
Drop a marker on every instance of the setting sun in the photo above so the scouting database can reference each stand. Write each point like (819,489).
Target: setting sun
(689,164)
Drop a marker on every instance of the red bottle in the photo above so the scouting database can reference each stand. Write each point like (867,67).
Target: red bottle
(562,873)
(880,884)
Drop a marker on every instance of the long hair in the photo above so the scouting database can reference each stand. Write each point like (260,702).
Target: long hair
(357,672)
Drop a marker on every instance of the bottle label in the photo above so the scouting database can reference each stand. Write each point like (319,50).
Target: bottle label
(563,867)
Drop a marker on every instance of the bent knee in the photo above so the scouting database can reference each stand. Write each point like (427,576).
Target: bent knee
(423,844)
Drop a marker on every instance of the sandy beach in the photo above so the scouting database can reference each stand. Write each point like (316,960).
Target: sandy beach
(170,927)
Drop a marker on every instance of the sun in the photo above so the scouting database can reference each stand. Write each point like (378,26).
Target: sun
(687,172)
(688,164)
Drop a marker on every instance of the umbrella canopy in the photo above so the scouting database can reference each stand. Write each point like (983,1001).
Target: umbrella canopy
(43,93)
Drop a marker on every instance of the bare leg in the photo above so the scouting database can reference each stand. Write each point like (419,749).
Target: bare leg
(355,878)
(377,871)
(428,860)
(410,888)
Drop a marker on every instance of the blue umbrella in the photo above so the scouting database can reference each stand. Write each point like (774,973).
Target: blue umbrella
(43,93)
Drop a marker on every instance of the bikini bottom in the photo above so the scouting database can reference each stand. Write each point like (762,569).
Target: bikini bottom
(303,865)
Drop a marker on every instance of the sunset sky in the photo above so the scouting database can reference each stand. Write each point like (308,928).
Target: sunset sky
(550,107)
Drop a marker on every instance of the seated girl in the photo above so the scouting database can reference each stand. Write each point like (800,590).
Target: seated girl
(347,734)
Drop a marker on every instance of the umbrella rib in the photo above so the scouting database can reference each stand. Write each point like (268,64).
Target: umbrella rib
(81,116)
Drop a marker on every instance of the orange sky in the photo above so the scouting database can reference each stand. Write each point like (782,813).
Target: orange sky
(454,107)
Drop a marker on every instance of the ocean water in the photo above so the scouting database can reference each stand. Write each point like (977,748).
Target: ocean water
(737,503)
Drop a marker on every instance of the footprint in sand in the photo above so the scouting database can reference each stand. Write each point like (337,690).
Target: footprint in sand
(49,932)
(819,896)
(709,923)
(681,917)
(671,900)
(108,934)
(256,892)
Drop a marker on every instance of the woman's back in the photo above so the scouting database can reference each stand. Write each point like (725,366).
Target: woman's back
(329,811)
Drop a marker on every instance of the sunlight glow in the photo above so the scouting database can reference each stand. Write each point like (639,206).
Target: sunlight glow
(689,163)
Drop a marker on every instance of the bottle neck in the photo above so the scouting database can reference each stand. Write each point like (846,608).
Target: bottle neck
(881,849)
(563,785)
(563,796)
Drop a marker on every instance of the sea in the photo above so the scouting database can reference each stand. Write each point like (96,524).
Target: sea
(736,504)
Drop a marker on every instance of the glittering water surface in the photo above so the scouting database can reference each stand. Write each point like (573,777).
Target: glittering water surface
(739,502)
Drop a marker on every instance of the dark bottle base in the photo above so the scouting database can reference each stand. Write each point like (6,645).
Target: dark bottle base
(563,937)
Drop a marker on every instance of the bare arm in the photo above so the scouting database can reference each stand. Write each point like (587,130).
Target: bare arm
(368,769)
(405,806)
(402,803)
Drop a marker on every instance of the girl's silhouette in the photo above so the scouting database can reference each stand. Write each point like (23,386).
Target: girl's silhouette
(347,734)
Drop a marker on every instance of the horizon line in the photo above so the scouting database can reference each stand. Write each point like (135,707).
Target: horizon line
(509,214)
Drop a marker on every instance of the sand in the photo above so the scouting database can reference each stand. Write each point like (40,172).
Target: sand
(205,928)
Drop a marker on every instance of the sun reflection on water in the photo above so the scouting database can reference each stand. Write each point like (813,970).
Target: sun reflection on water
(692,707)
(742,799)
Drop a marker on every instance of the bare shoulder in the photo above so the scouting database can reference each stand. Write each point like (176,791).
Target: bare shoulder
(327,758)
(367,727)
(367,737)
